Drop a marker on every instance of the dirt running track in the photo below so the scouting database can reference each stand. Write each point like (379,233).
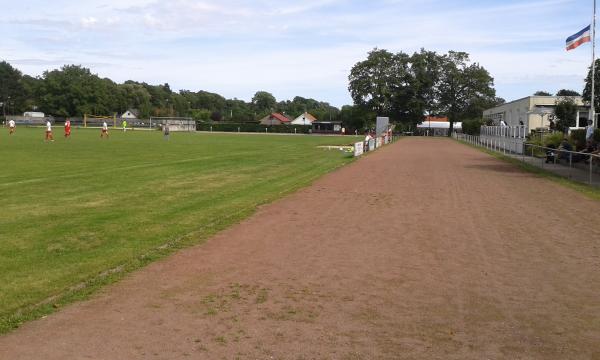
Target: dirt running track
(427,249)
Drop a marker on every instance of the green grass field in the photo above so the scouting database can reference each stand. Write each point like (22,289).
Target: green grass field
(74,209)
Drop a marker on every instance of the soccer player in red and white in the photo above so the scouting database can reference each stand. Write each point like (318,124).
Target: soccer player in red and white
(104,130)
(67,129)
(49,131)
(11,126)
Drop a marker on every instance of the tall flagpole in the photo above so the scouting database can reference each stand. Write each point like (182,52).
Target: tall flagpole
(593,109)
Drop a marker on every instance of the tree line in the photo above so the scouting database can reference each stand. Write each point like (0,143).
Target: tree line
(73,91)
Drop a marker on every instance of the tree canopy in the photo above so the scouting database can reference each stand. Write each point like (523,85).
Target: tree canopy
(587,91)
(406,88)
(566,92)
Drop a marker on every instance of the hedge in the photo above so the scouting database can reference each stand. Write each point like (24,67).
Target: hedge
(234,127)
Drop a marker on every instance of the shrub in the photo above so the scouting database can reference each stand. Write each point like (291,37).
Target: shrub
(553,139)
(578,139)
(472,126)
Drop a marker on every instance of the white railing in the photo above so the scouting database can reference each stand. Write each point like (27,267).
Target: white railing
(515,132)
(576,165)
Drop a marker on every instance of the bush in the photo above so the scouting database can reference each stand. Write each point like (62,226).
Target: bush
(472,126)
(553,139)
(249,127)
(578,139)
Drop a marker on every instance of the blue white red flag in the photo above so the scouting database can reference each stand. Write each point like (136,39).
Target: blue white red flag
(581,37)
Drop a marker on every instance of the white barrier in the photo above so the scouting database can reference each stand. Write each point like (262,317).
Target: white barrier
(373,144)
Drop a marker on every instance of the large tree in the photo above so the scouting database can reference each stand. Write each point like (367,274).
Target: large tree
(462,84)
(566,113)
(425,74)
(408,87)
(541,93)
(374,82)
(587,91)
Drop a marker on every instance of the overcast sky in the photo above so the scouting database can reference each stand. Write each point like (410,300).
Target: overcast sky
(290,48)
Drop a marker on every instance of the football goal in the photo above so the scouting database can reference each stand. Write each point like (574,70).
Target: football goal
(97,120)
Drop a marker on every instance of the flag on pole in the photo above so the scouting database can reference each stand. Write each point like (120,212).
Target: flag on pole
(581,37)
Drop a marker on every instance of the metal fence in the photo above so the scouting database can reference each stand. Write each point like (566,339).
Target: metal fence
(576,165)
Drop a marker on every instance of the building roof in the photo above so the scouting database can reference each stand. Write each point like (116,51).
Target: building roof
(436,118)
(280,117)
(306,116)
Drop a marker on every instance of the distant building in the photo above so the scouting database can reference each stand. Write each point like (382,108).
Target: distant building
(33,114)
(534,112)
(327,127)
(129,114)
(437,126)
(275,119)
(304,119)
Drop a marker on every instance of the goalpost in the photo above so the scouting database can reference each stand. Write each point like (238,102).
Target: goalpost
(174,123)
(99,119)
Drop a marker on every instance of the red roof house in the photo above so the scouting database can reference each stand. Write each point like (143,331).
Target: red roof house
(275,119)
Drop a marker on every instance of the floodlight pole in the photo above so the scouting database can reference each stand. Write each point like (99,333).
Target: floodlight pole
(592,107)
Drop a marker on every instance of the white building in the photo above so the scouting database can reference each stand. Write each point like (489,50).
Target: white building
(533,112)
(34,114)
(128,115)
(304,119)
(437,126)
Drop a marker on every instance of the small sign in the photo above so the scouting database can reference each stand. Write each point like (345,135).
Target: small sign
(358,148)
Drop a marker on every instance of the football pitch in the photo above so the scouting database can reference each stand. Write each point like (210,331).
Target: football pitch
(80,213)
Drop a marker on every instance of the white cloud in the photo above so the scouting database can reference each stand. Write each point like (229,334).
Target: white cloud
(89,22)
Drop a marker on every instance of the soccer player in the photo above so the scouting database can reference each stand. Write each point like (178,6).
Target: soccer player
(49,131)
(11,126)
(104,130)
(67,129)
(124,125)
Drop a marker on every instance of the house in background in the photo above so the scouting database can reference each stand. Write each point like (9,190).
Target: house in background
(129,114)
(275,119)
(304,119)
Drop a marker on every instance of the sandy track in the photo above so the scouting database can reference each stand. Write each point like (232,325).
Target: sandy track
(427,249)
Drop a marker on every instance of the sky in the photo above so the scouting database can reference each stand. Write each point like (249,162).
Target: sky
(293,48)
